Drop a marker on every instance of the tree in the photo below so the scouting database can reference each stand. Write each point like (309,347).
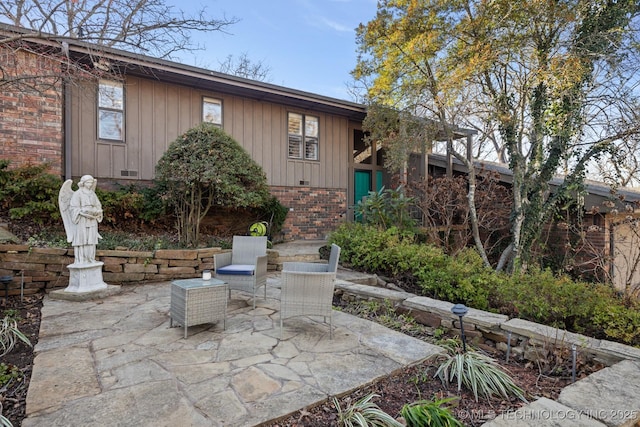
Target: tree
(242,66)
(205,168)
(540,73)
(410,79)
(621,167)
(141,26)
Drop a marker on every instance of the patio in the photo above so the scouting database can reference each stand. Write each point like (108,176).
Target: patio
(116,362)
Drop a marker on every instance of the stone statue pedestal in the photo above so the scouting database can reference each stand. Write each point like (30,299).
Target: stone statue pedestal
(85,277)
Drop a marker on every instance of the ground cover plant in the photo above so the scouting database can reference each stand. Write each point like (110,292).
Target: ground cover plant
(428,413)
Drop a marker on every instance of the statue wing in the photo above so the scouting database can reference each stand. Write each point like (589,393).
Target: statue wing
(64,197)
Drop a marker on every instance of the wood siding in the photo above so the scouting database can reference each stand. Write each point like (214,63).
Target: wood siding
(156,113)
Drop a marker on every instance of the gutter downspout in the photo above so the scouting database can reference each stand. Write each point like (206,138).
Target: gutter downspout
(66,151)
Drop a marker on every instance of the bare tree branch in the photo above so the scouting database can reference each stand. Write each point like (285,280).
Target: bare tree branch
(142,26)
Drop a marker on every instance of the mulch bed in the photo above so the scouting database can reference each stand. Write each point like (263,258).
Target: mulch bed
(13,395)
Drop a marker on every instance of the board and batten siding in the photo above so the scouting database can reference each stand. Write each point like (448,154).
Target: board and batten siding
(156,113)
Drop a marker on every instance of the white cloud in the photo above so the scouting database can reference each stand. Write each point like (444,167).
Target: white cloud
(335,25)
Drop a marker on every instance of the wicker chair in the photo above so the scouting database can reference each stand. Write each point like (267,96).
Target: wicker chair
(307,289)
(245,267)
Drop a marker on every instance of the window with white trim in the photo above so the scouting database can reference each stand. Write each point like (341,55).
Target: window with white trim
(212,111)
(303,137)
(110,110)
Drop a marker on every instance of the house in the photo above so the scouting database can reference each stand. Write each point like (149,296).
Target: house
(115,113)
(115,119)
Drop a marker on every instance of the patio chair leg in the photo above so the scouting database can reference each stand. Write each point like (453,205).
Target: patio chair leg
(280,327)
(330,327)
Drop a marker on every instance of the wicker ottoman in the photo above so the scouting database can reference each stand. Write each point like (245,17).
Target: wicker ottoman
(197,301)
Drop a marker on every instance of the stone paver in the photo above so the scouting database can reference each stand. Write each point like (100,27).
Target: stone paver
(116,362)
(611,395)
(544,413)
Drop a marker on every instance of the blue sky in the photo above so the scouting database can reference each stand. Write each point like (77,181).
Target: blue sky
(308,44)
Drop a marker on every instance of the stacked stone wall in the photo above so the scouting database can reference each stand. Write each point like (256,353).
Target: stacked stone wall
(38,269)
(524,340)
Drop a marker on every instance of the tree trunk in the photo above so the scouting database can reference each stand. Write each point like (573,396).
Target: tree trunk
(471,193)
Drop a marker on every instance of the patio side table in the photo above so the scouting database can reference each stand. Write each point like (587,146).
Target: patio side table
(198,301)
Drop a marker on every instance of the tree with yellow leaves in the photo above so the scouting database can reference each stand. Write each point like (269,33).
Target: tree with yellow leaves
(553,77)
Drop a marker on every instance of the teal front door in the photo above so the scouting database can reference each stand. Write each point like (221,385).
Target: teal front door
(362,184)
(379,175)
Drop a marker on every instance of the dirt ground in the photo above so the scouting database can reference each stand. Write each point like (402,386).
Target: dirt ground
(13,393)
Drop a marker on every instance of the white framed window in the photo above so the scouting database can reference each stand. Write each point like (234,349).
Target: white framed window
(212,111)
(110,110)
(303,137)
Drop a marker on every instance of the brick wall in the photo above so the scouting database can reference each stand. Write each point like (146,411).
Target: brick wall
(583,249)
(313,212)
(31,110)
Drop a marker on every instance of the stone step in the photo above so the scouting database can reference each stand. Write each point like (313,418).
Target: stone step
(609,397)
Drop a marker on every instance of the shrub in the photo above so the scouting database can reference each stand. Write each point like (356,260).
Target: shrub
(555,300)
(367,247)
(537,295)
(29,191)
(427,413)
(462,278)
(123,205)
(395,253)
(153,204)
(274,213)
(618,321)
(206,167)
(364,413)
(387,208)
(477,372)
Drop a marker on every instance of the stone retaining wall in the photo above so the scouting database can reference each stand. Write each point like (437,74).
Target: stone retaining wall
(524,339)
(37,269)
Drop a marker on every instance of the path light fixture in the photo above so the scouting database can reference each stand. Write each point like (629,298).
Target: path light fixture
(460,310)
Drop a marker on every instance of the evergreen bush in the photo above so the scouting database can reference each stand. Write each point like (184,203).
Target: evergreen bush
(29,192)
(537,295)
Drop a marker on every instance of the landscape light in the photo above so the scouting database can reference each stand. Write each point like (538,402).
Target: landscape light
(460,310)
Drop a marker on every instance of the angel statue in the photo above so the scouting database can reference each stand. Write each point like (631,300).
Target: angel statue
(81,212)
